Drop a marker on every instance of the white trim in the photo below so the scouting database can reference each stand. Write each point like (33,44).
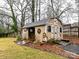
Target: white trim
(45,28)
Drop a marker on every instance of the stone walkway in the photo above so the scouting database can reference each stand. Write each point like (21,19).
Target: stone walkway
(72,48)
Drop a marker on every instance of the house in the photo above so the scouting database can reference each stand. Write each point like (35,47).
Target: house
(74,29)
(43,30)
(67,29)
(71,29)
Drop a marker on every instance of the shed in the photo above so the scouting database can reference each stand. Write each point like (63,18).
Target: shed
(43,30)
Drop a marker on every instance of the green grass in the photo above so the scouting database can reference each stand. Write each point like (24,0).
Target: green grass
(10,50)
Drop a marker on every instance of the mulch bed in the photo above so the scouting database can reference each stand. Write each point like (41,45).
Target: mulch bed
(57,49)
(54,48)
(44,47)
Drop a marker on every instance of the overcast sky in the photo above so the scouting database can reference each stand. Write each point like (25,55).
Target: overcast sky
(1,2)
(72,1)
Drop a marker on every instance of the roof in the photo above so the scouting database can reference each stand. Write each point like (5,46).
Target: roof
(74,27)
(67,25)
(74,24)
(39,23)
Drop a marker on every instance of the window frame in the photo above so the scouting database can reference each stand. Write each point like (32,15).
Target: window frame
(49,28)
(60,30)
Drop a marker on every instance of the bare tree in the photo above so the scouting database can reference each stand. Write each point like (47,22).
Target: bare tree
(19,10)
(57,8)
(10,4)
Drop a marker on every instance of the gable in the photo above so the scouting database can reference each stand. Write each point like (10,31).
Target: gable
(56,19)
(55,22)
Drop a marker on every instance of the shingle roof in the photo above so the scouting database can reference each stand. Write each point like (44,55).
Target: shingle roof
(37,23)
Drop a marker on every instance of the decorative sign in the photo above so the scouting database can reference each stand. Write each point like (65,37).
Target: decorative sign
(39,31)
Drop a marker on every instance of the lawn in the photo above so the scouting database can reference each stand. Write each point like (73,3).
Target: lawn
(10,50)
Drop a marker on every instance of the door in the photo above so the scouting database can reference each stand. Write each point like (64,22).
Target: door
(56,32)
(32,33)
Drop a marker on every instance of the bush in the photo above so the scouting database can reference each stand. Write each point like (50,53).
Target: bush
(53,41)
(19,38)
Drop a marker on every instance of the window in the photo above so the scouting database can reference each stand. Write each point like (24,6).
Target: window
(60,29)
(49,28)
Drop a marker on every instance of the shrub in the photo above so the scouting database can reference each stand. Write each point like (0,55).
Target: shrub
(19,38)
(53,41)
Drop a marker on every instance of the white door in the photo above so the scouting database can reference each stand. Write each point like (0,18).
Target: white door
(56,32)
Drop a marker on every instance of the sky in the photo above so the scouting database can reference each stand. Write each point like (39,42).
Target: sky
(72,1)
(1,2)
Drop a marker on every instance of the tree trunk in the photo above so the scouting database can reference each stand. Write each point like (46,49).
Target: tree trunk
(39,8)
(33,9)
(36,9)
